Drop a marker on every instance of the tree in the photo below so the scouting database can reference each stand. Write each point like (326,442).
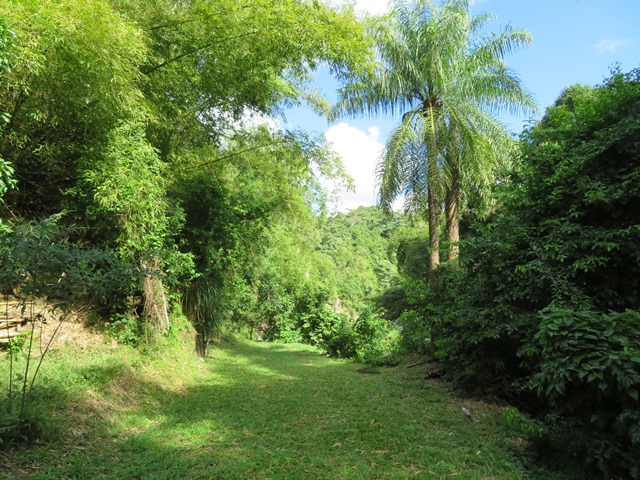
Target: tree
(250,225)
(548,293)
(6,169)
(211,62)
(73,79)
(108,108)
(446,77)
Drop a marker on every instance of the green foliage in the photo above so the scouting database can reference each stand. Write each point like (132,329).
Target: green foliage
(250,225)
(130,118)
(369,339)
(319,325)
(343,341)
(588,368)
(202,303)
(557,241)
(127,185)
(42,260)
(445,75)
(586,210)
(377,340)
(73,76)
(125,328)
(357,244)
(527,310)
(7,180)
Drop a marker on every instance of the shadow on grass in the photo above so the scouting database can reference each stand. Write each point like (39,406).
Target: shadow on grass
(269,411)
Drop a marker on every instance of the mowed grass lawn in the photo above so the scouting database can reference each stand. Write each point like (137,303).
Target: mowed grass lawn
(256,411)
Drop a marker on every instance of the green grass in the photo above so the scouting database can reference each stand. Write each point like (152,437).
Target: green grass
(254,411)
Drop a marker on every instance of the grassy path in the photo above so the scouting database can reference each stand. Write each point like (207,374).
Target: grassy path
(263,411)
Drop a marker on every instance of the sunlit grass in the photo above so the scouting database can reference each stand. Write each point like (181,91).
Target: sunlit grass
(257,411)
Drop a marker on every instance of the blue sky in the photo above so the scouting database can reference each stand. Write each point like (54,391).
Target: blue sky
(574,41)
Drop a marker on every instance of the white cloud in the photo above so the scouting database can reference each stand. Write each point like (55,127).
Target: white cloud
(609,45)
(359,151)
(252,120)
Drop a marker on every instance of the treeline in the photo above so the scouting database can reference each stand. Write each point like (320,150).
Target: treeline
(544,308)
(138,171)
(144,173)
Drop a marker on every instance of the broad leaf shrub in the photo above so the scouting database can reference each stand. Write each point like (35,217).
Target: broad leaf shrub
(588,370)
(43,259)
(477,330)
(377,340)
(370,339)
(306,317)
(543,310)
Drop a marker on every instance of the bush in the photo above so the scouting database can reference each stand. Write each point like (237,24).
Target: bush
(377,340)
(126,329)
(370,339)
(481,320)
(344,341)
(41,259)
(589,373)
(320,325)
(522,314)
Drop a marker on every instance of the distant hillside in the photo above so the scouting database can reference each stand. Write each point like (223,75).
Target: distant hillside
(357,242)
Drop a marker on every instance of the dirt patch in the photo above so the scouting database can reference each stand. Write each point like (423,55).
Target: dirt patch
(18,318)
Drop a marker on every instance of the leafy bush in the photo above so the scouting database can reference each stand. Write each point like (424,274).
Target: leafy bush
(522,312)
(415,332)
(377,340)
(126,329)
(481,318)
(41,259)
(343,342)
(321,324)
(370,339)
(589,371)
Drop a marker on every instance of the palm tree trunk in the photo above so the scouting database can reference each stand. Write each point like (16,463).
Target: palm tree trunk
(452,212)
(434,230)
(433,197)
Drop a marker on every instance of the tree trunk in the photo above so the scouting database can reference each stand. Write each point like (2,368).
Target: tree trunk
(433,190)
(452,212)
(434,230)
(201,345)
(156,310)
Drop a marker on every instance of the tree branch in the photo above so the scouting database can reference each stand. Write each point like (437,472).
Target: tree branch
(235,154)
(148,70)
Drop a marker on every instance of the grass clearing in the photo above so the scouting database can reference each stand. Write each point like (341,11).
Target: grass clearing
(254,411)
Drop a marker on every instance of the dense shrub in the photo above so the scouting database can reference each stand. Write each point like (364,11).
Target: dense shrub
(547,297)
(42,259)
(588,370)
(343,341)
(308,318)
(377,340)
(370,339)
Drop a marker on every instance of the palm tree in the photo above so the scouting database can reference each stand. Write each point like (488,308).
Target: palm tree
(447,78)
